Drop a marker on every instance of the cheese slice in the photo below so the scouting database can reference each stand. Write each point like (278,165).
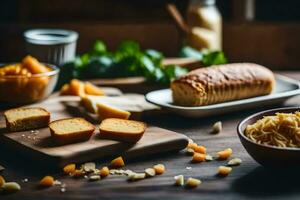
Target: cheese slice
(105,111)
(130,102)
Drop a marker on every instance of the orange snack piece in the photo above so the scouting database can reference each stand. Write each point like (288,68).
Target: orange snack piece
(65,90)
(34,66)
(198,157)
(159,169)
(78,173)
(104,172)
(77,88)
(117,162)
(69,169)
(200,149)
(192,146)
(223,155)
(91,89)
(47,181)
(2,181)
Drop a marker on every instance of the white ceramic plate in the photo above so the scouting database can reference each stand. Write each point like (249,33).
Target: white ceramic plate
(284,89)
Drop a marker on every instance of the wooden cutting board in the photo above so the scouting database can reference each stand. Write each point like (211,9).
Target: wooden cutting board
(38,145)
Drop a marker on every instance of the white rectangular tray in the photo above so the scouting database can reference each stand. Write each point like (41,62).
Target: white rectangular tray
(285,88)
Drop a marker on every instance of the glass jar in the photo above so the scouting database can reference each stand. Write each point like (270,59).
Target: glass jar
(205,23)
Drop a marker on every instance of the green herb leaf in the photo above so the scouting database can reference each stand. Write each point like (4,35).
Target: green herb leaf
(214,58)
(99,48)
(189,52)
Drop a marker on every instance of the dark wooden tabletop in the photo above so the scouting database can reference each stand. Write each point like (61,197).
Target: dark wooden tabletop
(248,181)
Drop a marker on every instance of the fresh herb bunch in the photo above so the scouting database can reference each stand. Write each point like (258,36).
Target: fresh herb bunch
(206,57)
(129,60)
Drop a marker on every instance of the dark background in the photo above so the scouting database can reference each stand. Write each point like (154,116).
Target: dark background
(271,38)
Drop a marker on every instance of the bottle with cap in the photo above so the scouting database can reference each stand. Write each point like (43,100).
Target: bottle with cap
(205,25)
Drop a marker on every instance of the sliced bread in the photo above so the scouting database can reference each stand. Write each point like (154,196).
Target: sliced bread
(21,119)
(122,129)
(71,130)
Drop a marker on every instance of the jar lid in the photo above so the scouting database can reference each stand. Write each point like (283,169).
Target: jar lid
(50,36)
(204,2)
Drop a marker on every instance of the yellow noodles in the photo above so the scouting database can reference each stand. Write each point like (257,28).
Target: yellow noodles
(281,130)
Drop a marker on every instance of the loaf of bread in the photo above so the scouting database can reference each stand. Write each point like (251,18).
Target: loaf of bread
(71,130)
(21,119)
(122,129)
(222,83)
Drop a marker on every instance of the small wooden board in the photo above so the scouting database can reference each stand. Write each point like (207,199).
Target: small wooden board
(40,146)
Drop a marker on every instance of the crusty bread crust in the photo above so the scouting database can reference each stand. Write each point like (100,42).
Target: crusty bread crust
(71,137)
(28,123)
(122,135)
(222,83)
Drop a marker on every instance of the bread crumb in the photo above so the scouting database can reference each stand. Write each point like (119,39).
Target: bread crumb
(136,176)
(179,180)
(234,162)
(193,182)
(208,157)
(89,167)
(94,177)
(217,127)
(11,187)
(150,172)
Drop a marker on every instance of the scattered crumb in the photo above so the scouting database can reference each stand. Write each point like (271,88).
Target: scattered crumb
(150,172)
(25,180)
(136,176)
(234,162)
(193,182)
(179,180)
(217,127)
(188,168)
(208,157)
(94,177)
(57,182)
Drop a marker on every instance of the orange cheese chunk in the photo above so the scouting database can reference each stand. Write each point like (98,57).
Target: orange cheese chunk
(117,162)
(47,181)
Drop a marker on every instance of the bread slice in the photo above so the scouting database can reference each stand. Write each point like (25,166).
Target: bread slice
(21,119)
(71,130)
(122,129)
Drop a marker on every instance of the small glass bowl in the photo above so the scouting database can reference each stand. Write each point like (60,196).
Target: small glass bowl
(17,89)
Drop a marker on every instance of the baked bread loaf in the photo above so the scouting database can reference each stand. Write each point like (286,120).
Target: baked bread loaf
(21,119)
(222,83)
(71,130)
(122,129)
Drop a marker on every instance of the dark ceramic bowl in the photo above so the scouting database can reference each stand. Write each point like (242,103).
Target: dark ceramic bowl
(270,156)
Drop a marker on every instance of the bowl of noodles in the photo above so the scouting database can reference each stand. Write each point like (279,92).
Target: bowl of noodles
(272,137)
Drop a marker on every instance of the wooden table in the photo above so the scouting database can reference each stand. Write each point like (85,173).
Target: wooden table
(248,181)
